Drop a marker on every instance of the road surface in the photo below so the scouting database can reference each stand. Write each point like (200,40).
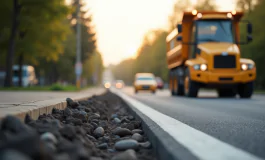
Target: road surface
(238,122)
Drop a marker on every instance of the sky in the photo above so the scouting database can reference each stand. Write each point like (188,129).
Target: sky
(121,24)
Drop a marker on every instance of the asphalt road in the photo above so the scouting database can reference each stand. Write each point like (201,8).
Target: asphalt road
(238,122)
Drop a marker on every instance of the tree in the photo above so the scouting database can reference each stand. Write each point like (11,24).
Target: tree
(255,50)
(176,16)
(246,5)
(205,5)
(37,35)
(88,40)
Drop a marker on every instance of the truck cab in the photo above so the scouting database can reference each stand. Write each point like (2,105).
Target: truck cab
(204,52)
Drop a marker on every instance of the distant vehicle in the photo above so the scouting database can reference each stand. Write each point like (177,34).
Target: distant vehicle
(160,83)
(119,84)
(28,76)
(145,81)
(107,84)
(203,52)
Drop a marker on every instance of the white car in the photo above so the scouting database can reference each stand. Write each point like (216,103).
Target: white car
(28,75)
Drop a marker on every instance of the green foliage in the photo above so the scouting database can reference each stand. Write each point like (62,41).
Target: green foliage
(47,40)
(208,5)
(93,68)
(255,50)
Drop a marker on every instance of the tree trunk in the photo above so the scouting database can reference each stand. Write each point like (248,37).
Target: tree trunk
(11,47)
(20,72)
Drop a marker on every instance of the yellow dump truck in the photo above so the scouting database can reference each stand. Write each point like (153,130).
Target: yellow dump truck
(204,52)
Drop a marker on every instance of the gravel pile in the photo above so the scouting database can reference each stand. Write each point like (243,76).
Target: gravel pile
(99,128)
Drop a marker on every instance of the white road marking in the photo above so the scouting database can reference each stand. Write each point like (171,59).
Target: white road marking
(203,146)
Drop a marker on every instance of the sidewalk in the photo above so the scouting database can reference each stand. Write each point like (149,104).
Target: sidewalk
(20,103)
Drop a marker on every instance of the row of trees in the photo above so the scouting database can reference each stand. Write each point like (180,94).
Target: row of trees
(152,53)
(42,33)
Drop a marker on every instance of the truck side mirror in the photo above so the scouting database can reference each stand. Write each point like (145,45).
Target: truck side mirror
(249,38)
(249,28)
(179,26)
(179,38)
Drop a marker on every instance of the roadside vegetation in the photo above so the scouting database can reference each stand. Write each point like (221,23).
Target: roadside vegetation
(151,55)
(43,34)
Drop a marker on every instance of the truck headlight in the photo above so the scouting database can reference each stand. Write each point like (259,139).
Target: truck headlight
(245,67)
(202,67)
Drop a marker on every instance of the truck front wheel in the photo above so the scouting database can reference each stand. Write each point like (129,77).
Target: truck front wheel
(246,90)
(191,88)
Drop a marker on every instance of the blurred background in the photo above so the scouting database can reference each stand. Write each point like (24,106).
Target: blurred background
(38,39)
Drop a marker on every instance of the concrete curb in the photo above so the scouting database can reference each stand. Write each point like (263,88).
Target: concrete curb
(35,109)
(164,146)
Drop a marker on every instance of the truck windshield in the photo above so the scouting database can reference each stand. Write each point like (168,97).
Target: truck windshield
(214,31)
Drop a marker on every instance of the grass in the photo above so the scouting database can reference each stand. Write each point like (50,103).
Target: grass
(259,91)
(54,87)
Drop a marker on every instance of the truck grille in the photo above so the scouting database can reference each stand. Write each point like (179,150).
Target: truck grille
(228,61)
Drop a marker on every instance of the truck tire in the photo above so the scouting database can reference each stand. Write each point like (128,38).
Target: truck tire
(180,88)
(226,93)
(171,83)
(246,90)
(191,88)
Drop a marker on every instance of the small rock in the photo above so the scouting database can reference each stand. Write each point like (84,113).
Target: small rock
(128,155)
(80,116)
(117,137)
(49,137)
(83,113)
(95,121)
(68,100)
(126,144)
(68,112)
(88,110)
(117,120)
(95,158)
(49,147)
(94,124)
(130,117)
(111,151)
(26,143)
(122,132)
(13,155)
(114,116)
(73,104)
(104,139)
(129,126)
(62,156)
(138,137)
(68,132)
(77,122)
(28,119)
(103,146)
(103,124)
(146,145)
(55,111)
(99,132)
(93,139)
(137,131)
(13,124)
(137,124)
(80,130)
(94,116)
